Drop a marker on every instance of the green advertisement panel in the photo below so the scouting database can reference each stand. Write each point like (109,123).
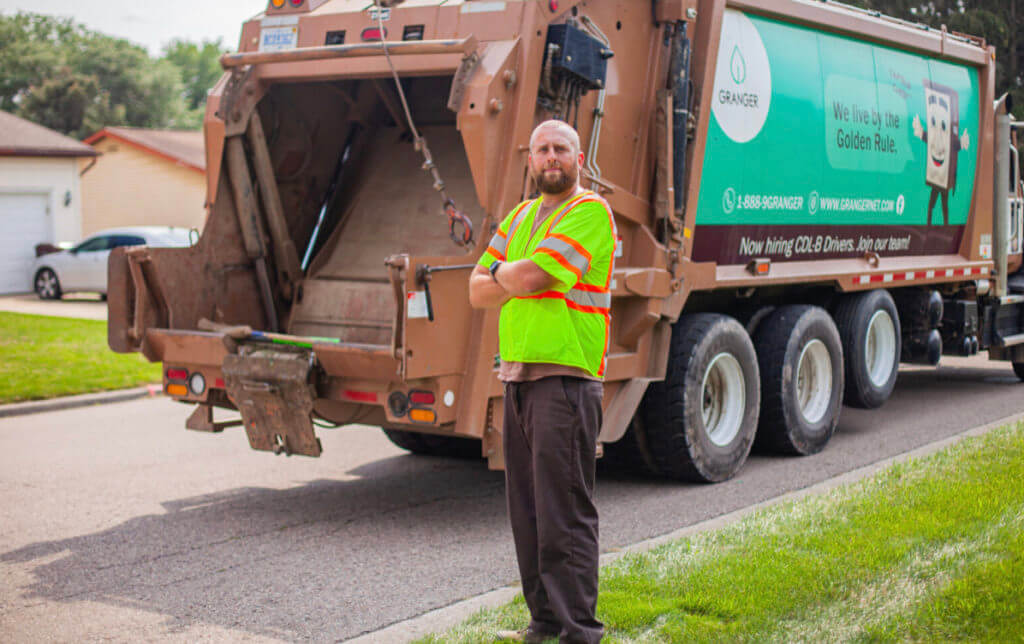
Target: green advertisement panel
(824,146)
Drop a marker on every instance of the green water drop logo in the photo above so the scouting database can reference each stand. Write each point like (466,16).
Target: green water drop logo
(738,66)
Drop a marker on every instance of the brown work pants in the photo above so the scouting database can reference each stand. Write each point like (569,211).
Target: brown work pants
(550,439)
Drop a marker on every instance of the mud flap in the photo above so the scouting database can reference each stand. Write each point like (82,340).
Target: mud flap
(272,391)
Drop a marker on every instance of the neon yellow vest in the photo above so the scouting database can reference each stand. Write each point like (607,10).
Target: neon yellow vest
(569,324)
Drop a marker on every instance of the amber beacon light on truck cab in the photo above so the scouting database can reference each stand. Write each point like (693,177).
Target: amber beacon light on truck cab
(806,195)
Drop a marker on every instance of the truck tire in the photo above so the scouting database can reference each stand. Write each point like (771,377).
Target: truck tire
(699,423)
(800,357)
(434,445)
(870,329)
(630,453)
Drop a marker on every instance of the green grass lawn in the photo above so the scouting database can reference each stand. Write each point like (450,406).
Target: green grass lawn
(929,550)
(44,357)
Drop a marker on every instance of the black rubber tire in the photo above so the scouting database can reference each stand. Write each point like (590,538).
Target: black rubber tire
(46,284)
(434,445)
(853,314)
(630,453)
(780,341)
(1018,369)
(671,412)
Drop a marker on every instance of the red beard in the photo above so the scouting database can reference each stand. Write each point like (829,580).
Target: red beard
(556,184)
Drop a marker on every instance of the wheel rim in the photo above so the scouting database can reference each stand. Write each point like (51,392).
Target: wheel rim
(880,348)
(46,284)
(723,399)
(814,381)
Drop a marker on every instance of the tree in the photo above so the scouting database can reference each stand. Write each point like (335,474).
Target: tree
(199,65)
(29,53)
(71,103)
(55,72)
(999,22)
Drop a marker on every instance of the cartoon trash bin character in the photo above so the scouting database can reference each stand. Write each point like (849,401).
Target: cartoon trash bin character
(943,141)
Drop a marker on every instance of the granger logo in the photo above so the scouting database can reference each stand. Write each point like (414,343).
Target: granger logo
(743,79)
(738,66)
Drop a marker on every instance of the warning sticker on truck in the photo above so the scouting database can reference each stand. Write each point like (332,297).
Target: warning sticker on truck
(416,305)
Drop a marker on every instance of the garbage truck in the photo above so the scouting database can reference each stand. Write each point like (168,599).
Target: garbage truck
(806,196)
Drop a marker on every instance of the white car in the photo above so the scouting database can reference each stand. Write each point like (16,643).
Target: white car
(84,267)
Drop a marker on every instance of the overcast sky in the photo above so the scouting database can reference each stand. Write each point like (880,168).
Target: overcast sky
(151,23)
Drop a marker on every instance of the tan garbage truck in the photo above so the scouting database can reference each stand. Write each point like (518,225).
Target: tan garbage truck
(806,195)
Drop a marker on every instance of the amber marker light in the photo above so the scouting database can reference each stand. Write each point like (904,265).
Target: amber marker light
(177,390)
(759,267)
(277,4)
(422,415)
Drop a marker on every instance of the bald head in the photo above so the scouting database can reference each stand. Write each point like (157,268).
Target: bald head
(562,128)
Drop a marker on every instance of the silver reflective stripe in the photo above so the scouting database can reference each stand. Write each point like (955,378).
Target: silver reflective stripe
(499,243)
(590,298)
(519,219)
(570,254)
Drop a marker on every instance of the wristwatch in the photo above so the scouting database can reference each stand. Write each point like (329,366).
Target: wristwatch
(493,270)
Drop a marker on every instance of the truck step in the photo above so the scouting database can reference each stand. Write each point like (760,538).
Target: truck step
(1011,340)
(271,390)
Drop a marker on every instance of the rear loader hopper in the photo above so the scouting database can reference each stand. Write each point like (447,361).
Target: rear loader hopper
(354,182)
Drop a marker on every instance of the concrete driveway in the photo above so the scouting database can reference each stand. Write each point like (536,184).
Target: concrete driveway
(86,306)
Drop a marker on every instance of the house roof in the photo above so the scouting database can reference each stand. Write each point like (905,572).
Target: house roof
(21,138)
(180,146)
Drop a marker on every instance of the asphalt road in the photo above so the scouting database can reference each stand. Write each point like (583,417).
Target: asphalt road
(116,524)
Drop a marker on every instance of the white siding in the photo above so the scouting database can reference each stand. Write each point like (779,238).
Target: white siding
(33,191)
(54,177)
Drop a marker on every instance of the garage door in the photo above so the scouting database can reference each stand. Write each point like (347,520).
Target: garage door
(23,224)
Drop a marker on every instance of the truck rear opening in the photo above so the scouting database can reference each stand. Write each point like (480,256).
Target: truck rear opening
(382,203)
(328,222)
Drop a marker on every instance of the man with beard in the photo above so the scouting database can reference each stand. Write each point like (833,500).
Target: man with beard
(549,268)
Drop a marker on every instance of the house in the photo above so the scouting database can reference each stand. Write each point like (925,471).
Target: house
(40,195)
(144,177)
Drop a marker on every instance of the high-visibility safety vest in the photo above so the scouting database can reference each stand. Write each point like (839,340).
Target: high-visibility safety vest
(569,324)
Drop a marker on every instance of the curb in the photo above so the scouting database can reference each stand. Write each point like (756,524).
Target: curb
(443,618)
(83,400)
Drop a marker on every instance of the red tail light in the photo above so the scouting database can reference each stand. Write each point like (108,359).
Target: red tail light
(361,396)
(372,34)
(177,374)
(421,397)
